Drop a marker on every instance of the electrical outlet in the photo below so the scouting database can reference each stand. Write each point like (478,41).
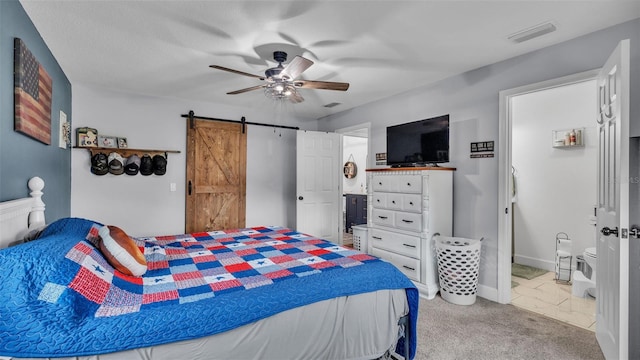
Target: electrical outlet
(172,186)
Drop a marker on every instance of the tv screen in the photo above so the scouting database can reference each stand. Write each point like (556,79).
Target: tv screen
(419,143)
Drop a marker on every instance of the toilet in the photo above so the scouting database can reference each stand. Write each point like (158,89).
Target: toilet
(581,284)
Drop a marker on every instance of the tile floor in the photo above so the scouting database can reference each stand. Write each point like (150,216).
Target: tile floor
(543,296)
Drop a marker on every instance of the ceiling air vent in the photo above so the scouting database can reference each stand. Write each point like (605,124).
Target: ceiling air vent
(330,105)
(532,32)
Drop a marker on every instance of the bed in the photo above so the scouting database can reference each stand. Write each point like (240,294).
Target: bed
(293,296)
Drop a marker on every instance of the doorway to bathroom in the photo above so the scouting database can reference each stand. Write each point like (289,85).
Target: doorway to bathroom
(553,175)
(355,150)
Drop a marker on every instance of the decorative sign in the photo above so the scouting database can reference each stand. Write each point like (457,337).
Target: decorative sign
(478,156)
(482,146)
(32,89)
(482,149)
(381,158)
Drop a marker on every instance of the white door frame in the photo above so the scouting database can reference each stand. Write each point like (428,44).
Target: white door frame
(505,184)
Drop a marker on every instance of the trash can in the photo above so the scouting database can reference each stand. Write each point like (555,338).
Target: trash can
(360,237)
(458,266)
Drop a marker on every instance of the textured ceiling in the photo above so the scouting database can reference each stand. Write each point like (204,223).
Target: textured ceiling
(382,48)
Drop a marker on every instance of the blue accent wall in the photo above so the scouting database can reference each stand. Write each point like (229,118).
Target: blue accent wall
(21,157)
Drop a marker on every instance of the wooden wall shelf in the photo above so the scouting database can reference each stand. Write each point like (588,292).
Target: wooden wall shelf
(128,151)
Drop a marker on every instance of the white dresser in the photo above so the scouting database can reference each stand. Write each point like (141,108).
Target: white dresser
(406,207)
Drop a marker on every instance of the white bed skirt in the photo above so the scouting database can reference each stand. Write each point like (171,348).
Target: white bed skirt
(354,327)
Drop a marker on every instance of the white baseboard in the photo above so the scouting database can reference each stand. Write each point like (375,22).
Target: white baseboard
(537,263)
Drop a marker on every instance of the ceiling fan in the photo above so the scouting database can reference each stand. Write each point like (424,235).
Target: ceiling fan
(280,81)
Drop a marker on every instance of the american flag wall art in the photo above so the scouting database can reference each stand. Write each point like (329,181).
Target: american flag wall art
(32,91)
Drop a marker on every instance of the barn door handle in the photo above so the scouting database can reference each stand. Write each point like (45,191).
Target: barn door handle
(606,231)
(189,187)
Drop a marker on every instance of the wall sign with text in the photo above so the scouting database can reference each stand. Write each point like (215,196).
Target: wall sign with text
(482,149)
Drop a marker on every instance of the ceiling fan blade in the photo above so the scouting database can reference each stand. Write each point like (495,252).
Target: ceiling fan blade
(296,98)
(322,85)
(236,71)
(245,90)
(296,67)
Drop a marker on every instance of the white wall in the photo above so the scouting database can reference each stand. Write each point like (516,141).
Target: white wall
(144,205)
(471,99)
(356,147)
(555,187)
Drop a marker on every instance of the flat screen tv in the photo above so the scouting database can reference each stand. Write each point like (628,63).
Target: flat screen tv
(419,143)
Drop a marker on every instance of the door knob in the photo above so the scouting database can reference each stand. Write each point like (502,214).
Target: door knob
(606,231)
(300,198)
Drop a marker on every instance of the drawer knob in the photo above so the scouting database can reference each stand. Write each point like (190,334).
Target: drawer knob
(410,202)
(408,184)
(393,201)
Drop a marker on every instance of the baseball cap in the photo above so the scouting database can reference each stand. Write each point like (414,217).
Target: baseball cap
(99,164)
(159,165)
(116,163)
(146,165)
(132,165)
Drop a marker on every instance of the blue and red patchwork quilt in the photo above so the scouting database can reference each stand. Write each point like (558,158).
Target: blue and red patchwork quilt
(62,298)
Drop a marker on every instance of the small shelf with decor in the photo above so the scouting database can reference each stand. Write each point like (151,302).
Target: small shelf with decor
(126,152)
(567,138)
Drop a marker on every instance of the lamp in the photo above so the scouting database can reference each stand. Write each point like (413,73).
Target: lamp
(280,89)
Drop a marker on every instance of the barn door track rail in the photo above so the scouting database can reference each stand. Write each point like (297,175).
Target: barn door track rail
(191,116)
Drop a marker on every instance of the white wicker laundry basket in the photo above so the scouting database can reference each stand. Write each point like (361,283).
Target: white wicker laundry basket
(458,266)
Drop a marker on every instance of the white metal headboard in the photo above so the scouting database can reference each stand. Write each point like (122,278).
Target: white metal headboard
(19,216)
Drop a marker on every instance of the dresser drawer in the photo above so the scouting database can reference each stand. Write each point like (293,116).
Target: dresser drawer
(408,266)
(384,183)
(412,203)
(398,243)
(408,221)
(383,217)
(379,200)
(409,184)
(394,201)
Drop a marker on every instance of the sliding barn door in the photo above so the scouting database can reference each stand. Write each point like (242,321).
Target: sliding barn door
(216,175)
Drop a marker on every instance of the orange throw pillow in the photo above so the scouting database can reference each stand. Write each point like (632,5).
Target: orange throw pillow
(121,251)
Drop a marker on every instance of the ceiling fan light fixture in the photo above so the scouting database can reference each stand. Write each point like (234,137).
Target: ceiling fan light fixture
(532,32)
(279,90)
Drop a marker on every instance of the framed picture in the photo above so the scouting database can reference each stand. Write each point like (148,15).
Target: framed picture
(86,137)
(32,95)
(107,141)
(122,143)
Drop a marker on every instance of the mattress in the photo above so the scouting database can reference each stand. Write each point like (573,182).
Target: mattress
(341,322)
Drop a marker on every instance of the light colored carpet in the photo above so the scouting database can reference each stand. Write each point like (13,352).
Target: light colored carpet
(488,330)
(526,272)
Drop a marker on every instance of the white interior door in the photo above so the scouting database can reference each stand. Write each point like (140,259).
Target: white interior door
(612,267)
(318,184)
